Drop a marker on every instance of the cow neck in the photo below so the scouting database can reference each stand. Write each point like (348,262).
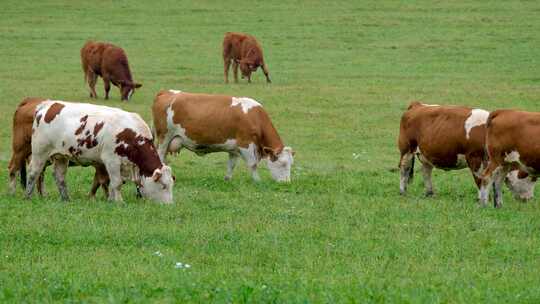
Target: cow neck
(271,139)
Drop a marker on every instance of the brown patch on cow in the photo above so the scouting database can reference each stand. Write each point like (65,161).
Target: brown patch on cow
(88,141)
(82,126)
(53,110)
(139,150)
(87,132)
(98,127)
(209,120)
(75,151)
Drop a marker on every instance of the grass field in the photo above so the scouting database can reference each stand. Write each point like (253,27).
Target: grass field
(342,74)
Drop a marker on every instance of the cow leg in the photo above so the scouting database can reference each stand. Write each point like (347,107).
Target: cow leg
(41,184)
(249,78)
(92,79)
(426,174)
(115,177)
(60,169)
(266,73)
(487,180)
(250,157)
(107,86)
(498,179)
(235,71)
(475,164)
(95,187)
(233,158)
(406,166)
(36,168)
(17,162)
(226,66)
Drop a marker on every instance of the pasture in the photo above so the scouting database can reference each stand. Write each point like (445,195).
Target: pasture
(342,74)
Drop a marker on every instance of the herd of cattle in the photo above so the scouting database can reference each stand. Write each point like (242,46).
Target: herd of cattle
(121,146)
(497,146)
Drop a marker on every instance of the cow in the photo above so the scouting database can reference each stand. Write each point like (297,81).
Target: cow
(87,134)
(110,62)
(244,50)
(215,123)
(22,149)
(448,138)
(510,144)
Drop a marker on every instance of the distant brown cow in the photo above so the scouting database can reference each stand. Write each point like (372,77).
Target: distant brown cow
(244,50)
(511,141)
(449,138)
(22,148)
(111,63)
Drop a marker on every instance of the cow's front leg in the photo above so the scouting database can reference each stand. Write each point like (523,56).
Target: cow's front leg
(107,86)
(426,174)
(266,73)
(235,71)
(41,184)
(487,181)
(498,178)
(251,158)
(226,66)
(36,168)
(114,189)
(233,158)
(60,169)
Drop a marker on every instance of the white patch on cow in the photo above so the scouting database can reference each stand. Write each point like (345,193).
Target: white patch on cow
(430,105)
(512,157)
(175,91)
(477,118)
(245,102)
(281,168)
(522,188)
(130,93)
(461,161)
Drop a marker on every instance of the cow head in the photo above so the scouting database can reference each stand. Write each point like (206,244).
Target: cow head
(521,184)
(127,88)
(247,67)
(280,163)
(159,186)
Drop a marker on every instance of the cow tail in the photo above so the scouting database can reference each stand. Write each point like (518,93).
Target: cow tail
(22,172)
(411,170)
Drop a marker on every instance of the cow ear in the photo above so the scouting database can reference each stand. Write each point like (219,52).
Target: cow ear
(137,85)
(157,175)
(271,153)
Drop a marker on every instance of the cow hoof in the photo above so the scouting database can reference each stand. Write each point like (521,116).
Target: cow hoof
(227,178)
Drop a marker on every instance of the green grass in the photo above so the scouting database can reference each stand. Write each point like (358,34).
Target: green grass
(342,74)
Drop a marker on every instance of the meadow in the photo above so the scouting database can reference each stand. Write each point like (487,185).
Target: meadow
(342,72)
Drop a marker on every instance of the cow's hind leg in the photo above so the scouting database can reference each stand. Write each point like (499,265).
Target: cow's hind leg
(16,164)
(36,168)
(91,77)
(406,166)
(233,158)
(426,174)
(226,66)
(60,169)
(235,71)
(107,86)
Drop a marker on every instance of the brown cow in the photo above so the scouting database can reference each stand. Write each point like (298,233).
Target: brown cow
(215,123)
(445,137)
(111,63)
(22,148)
(511,143)
(244,50)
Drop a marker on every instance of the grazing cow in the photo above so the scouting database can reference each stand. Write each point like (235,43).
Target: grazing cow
(244,50)
(511,143)
(22,148)
(111,63)
(449,138)
(87,134)
(213,123)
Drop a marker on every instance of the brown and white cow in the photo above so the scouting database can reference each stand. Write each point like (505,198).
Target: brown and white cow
(22,149)
(88,134)
(244,50)
(110,62)
(449,138)
(511,143)
(213,123)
